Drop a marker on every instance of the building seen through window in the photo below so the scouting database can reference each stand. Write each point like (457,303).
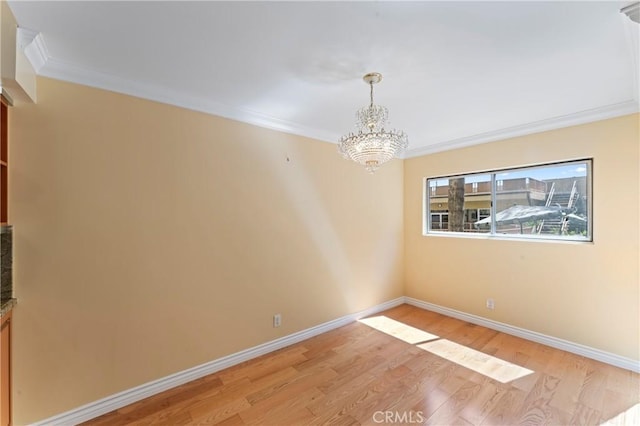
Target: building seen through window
(551,200)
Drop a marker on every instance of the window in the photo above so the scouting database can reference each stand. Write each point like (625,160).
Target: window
(551,201)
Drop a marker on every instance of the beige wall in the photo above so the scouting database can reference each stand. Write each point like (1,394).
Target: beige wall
(150,239)
(584,293)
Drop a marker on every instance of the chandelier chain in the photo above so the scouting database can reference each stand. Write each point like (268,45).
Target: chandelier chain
(371,93)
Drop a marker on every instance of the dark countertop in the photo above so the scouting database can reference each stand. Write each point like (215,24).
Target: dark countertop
(7,306)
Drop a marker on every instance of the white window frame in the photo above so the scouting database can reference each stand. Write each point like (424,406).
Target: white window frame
(429,192)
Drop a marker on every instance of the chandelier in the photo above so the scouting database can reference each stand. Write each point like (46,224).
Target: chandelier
(372,145)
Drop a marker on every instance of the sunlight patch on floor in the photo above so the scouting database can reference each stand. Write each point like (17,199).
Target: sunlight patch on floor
(628,417)
(398,329)
(490,366)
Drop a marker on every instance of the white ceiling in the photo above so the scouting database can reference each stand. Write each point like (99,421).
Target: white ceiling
(455,73)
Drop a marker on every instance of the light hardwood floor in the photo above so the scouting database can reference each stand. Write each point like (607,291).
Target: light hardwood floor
(357,374)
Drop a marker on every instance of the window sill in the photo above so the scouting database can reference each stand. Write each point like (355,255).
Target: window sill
(500,237)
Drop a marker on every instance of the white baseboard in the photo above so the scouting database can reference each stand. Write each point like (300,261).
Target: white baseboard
(122,399)
(576,348)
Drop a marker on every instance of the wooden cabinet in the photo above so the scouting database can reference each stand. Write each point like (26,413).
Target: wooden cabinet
(5,331)
(5,370)
(6,284)
(4,162)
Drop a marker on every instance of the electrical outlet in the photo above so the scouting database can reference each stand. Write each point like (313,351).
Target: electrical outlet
(277,320)
(490,304)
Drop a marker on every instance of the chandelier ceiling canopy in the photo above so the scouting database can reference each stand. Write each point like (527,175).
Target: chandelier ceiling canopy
(372,145)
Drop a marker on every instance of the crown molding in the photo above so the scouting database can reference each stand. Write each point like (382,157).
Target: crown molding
(44,65)
(632,11)
(47,66)
(33,45)
(609,111)
(37,53)
(24,36)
